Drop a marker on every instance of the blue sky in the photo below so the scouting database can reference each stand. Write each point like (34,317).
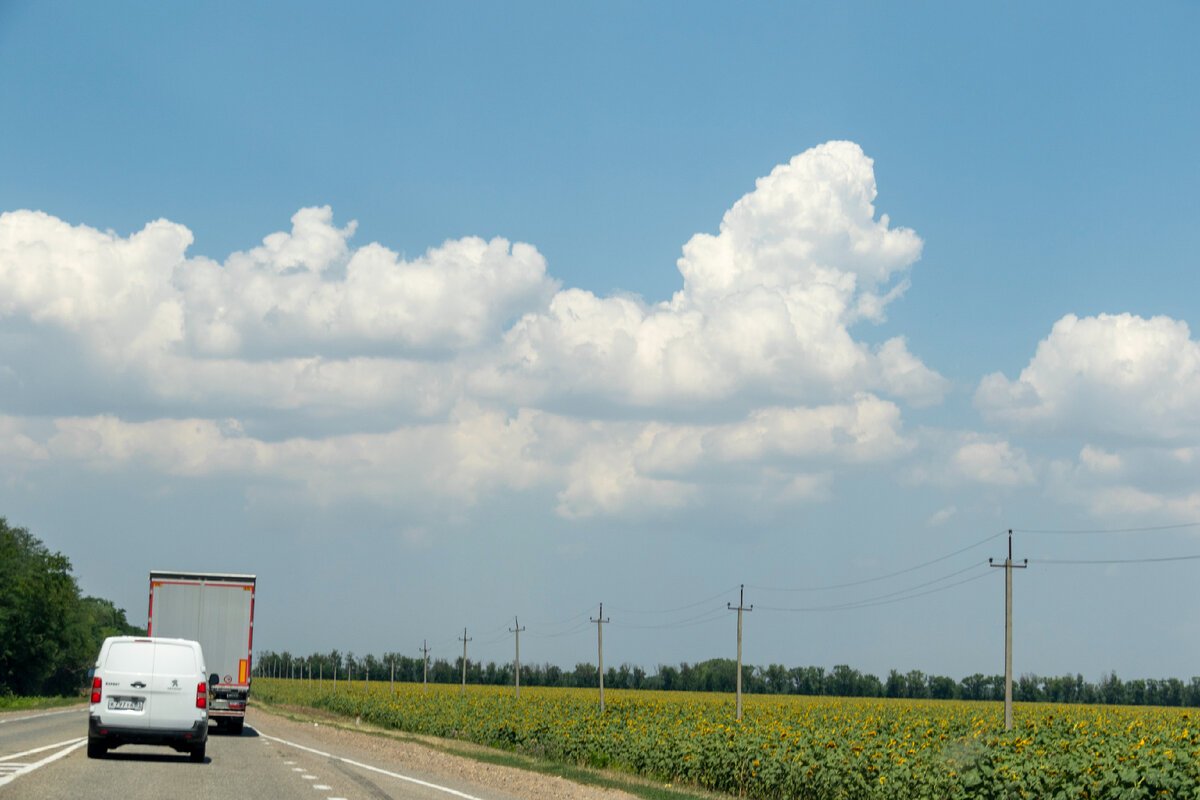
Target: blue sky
(433,316)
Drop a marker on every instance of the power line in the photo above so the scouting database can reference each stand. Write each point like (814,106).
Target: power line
(1114,560)
(881,577)
(719,594)
(1069,531)
(700,619)
(892,597)
(569,632)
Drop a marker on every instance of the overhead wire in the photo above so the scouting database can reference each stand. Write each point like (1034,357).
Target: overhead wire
(1113,560)
(721,593)
(896,596)
(1071,531)
(864,581)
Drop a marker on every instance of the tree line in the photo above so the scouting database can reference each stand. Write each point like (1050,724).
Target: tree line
(720,675)
(49,633)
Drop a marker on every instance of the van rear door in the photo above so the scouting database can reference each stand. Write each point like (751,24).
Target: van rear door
(173,686)
(126,683)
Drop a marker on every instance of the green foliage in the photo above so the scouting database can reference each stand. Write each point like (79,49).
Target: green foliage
(49,635)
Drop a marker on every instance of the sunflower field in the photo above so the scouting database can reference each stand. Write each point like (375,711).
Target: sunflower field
(800,747)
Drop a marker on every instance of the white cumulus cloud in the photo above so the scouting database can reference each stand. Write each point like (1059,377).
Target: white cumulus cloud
(1102,377)
(765,310)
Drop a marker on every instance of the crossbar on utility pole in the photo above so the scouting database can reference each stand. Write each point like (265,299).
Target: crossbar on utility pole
(464,640)
(600,620)
(741,606)
(517,662)
(1009,566)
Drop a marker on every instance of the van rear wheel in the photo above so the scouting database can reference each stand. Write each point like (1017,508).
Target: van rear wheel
(96,748)
(196,754)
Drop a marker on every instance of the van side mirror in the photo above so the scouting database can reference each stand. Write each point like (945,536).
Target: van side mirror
(212,680)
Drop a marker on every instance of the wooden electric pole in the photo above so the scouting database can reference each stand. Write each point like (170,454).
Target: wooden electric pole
(464,671)
(517,662)
(600,642)
(741,606)
(1009,566)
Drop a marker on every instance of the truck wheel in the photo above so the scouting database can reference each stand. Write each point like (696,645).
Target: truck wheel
(196,754)
(235,727)
(96,748)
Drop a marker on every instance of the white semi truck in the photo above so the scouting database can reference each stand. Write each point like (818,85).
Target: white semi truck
(217,610)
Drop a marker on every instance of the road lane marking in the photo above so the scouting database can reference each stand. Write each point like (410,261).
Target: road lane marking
(31,767)
(361,765)
(39,716)
(40,749)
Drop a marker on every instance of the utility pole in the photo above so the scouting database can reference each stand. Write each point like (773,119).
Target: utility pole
(741,606)
(517,672)
(464,640)
(425,663)
(600,620)
(393,685)
(1008,568)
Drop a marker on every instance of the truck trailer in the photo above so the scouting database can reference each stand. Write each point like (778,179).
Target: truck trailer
(217,610)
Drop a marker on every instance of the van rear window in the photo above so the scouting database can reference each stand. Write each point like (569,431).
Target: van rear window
(129,656)
(175,659)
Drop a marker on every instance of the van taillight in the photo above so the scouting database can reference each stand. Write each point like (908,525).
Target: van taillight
(96,684)
(201,695)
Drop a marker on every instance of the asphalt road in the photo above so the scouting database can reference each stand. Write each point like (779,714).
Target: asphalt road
(43,754)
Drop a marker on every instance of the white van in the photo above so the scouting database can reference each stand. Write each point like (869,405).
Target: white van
(149,691)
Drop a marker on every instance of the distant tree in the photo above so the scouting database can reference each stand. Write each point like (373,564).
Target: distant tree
(1028,689)
(1112,690)
(843,681)
(942,688)
(916,685)
(973,687)
(586,675)
(775,678)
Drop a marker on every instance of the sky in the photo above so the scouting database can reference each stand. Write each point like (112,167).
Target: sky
(465,316)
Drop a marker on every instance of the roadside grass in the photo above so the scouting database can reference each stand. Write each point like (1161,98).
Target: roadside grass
(588,776)
(16,703)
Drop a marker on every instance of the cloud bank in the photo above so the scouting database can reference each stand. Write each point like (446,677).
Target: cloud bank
(348,371)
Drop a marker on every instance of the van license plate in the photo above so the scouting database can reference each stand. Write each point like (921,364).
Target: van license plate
(125,703)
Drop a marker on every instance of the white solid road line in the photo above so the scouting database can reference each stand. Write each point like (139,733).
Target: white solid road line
(44,747)
(360,765)
(23,717)
(68,746)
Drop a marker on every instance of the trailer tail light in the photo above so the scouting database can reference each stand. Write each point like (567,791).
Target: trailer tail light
(96,684)
(201,695)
